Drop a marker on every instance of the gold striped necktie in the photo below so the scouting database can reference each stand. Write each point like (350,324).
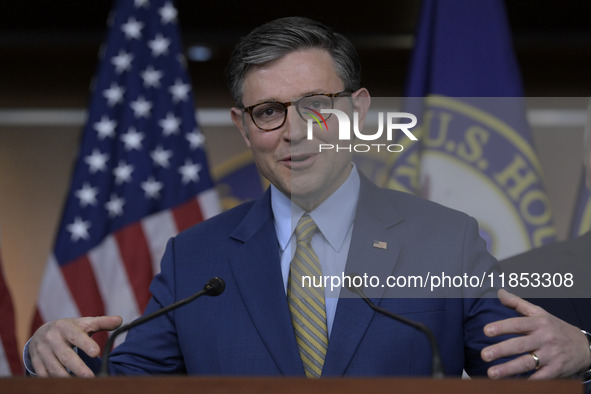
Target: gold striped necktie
(306,304)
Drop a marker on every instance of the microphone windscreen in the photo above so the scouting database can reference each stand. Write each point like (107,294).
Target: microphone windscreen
(215,286)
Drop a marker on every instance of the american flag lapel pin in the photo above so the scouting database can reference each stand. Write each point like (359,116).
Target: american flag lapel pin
(380,244)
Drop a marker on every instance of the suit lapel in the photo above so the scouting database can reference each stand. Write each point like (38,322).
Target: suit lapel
(580,248)
(376,220)
(257,274)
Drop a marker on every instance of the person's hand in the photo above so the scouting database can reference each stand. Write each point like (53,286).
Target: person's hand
(562,349)
(51,347)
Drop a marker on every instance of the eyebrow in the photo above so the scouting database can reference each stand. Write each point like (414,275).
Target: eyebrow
(272,99)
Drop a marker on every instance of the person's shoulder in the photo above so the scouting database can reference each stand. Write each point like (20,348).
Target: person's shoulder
(421,207)
(533,257)
(542,252)
(582,243)
(553,253)
(223,222)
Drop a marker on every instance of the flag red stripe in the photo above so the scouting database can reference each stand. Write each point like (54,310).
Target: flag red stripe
(7,334)
(37,321)
(81,281)
(136,257)
(187,214)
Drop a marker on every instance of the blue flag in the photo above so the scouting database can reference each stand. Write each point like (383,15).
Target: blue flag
(581,222)
(141,174)
(238,180)
(474,151)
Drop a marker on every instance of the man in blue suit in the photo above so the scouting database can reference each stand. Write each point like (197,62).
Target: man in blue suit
(257,326)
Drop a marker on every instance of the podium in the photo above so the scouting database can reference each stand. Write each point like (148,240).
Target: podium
(227,385)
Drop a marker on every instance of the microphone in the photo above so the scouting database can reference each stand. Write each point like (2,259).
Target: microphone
(436,363)
(213,287)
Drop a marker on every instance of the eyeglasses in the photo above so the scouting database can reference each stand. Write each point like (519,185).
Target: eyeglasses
(271,115)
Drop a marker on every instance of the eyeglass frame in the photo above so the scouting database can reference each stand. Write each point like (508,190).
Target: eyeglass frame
(287,104)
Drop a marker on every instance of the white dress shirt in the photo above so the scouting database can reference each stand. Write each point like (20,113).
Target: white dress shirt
(334,218)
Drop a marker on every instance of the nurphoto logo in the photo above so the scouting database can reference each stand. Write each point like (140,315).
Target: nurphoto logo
(402,121)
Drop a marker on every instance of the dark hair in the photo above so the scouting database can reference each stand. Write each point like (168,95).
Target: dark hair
(277,38)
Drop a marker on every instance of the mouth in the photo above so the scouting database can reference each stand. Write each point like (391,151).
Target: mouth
(300,161)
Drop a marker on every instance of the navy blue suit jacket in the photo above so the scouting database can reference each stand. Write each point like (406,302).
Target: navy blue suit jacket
(248,331)
(572,256)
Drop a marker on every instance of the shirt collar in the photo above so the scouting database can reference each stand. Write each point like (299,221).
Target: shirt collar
(333,217)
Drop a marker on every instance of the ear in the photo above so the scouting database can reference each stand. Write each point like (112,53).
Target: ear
(361,103)
(237,119)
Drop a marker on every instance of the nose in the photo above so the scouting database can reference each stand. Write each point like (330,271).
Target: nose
(294,127)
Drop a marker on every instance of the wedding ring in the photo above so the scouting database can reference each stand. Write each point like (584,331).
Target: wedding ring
(536,359)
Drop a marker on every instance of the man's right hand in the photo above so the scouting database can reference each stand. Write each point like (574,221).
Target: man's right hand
(51,347)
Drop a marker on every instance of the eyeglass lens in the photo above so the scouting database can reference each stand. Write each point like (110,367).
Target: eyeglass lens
(272,115)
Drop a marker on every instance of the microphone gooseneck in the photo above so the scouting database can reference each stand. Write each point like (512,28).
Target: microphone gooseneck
(213,287)
(436,363)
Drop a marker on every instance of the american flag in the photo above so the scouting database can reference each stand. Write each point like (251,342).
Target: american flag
(10,359)
(140,177)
